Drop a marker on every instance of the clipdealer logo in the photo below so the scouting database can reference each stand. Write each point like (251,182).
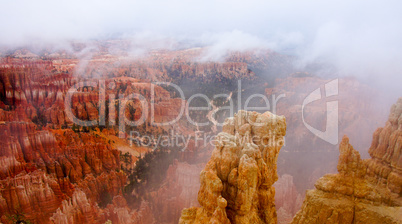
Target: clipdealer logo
(330,134)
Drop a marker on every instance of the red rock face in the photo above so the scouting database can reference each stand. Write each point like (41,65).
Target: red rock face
(35,194)
(43,168)
(178,191)
(36,90)
(75,210)
(287,200)
(79,209)
(24,144)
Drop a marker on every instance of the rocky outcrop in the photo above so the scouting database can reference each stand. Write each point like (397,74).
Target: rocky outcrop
(41,168)
(21,142)
(363,191)
(236,183)
(63,153)
(75,210)
(385,167)
(80,209)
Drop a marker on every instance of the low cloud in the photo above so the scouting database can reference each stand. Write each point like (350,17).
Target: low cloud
(359,38)
(220,44)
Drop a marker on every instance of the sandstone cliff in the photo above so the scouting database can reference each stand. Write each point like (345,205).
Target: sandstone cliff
(364,191)
(35,195)
(79,209)
(41,169)
(236,183)
(38,93)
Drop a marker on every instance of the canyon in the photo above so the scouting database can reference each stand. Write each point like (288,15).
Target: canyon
(55,171)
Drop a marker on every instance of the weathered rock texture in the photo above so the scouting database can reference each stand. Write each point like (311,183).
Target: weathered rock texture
(236,183)
(385,167)
(40,169)
(364,191)
(40,94)
(34,195)
(79,209)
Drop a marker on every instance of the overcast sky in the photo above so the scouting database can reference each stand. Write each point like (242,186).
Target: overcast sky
(360,37)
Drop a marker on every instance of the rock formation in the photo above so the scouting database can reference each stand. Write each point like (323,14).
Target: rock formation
(43,168)
(363,191)
(79,209)
(236,183)
(35,195)
(75,210)
(385,167)
(66,173)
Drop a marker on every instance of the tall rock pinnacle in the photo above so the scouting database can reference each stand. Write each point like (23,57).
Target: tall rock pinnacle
(236,183)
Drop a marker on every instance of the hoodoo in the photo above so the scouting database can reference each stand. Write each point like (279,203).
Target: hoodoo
(236,183)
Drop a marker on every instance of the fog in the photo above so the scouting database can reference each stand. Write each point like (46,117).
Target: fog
(359,38)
